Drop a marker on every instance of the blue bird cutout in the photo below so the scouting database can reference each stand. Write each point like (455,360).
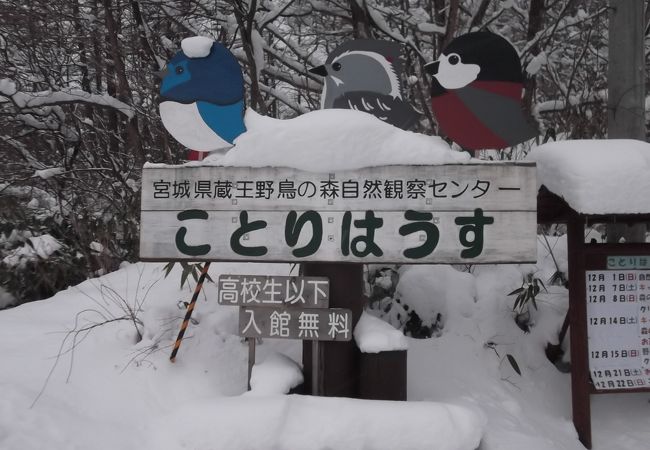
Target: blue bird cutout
(226,120)
(202,96)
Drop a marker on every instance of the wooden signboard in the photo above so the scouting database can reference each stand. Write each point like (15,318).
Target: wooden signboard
(603,326)
(273,291)
(334,324)
(465,213)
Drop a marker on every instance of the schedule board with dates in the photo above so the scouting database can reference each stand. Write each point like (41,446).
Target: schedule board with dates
(618,327)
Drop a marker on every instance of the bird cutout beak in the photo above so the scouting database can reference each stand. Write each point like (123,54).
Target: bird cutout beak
(320,70)
(160,74)
(432,67)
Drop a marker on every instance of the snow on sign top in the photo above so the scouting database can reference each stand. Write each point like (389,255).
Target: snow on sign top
(374,335)
(196,46)
(331,140)
(597,176)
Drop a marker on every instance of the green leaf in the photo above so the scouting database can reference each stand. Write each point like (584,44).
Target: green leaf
(517,291)
(521,299)
(186,272)
(542,283)
(532,299)
(168,268)
(513,363)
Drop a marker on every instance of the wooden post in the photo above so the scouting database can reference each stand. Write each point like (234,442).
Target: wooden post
(578,327)
(339,361)
(251,359)
(316,368)
(626,70)
(626,89)
(383,375)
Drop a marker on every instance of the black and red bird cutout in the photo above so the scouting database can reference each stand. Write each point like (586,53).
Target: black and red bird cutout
(476,92)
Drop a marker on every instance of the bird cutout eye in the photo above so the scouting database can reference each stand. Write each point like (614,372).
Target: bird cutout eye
(453,73)
(179,70)
(336,66)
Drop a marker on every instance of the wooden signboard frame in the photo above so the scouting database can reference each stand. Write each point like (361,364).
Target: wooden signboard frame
(583,257)
(438,214)
(476,213)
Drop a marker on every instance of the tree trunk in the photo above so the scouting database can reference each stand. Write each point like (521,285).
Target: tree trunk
(535,24)
(246,23)
(626,89)
(123,88)
(360,20)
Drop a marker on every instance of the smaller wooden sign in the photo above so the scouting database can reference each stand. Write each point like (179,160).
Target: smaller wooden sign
(334,324)
(273,291)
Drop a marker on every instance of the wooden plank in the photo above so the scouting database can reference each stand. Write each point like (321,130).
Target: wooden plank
(383,375)
(338,361)
(457,187)
(316,375)
(580,387)
(334,324)
(510,238)
(597,255)
(273,291)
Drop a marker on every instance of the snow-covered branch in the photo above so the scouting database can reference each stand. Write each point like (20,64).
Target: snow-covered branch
(30,100)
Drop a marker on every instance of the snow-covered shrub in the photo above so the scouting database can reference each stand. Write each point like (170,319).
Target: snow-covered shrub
(420,300)
(38,253)
(6,299)
(36,267)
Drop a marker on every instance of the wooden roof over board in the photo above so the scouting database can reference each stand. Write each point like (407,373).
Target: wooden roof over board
(552,208)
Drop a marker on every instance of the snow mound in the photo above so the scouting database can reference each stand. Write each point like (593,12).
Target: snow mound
(437,289)
(373,335)
(7,87)
(277,374)
(332,139)
(314,423)
(196,46)
(597,176)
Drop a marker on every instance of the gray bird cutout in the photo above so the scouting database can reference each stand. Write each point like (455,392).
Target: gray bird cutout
(364,75)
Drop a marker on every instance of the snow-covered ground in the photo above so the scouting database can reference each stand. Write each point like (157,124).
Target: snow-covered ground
(89,368)
(113,392)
